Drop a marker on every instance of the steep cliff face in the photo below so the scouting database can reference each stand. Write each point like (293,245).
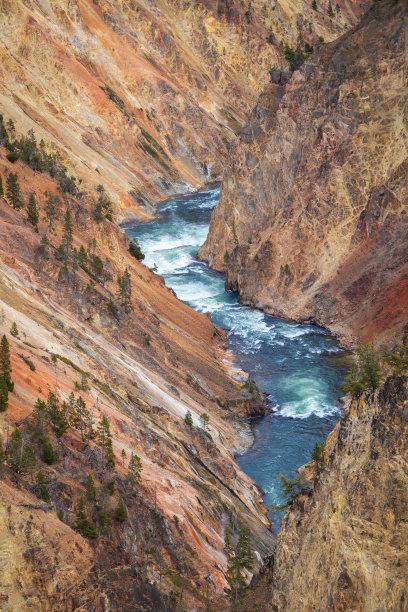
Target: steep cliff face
(312,217)
(142,370)
(146,96)
(344,546)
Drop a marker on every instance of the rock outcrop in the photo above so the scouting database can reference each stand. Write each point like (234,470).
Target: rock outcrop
(312,219)
(143,96)
(343,546)
(75,339)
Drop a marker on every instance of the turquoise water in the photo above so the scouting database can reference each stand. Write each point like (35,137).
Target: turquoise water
(299,367)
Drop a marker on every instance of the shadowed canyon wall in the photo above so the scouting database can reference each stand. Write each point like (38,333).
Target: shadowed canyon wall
(312,219)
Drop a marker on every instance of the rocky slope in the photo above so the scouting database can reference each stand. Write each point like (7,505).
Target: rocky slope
(144,96)
(142,370)
(343,546)
(312,217)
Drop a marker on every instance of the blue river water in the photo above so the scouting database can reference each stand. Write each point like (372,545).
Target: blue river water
(299,367)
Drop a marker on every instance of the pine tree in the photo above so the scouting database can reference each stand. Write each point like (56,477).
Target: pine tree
(205,419)
(50,211)
(13,191)
(188,419)
(67,233)
(32,212)
(1,188)
(317,454)
(366,371)
(57,414)
(49,456)
(125,291)
(5,362)
(240,558)
(330,11)
(83,524)
(105,441)
(2,459)
(104,518)
(3,395)
(314,5)
(135,250)
(134,471)
(82,419)
(42,489)
(20,457)
(121,512)
(90,488)
(40,420)
(14,330)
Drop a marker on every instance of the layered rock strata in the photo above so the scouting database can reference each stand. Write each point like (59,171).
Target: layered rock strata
(143,96)
(313,213)
(343,546)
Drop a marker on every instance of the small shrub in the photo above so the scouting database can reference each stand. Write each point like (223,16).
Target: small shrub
(135,250)
(14,330)
(48,452)
(29,363)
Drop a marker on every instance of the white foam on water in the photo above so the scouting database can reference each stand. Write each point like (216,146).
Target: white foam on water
(305,408)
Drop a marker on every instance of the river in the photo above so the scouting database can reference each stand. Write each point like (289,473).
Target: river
(299,367)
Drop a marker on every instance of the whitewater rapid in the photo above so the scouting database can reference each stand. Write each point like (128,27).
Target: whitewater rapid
(299,367)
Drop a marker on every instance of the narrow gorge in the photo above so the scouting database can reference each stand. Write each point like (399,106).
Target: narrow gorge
(155,381)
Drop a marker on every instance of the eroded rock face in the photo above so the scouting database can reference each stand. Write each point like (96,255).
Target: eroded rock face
(144,370)
(344,546)
(142,96)
(312,219)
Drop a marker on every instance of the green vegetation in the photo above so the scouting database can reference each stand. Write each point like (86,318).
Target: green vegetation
(36,156)
(103,206)
(135,250)
(20,456)
(49,456)
(121,513)
(3,395)
(33,215)
(83,524)
(90,488)
(125,291)
(204,420)
(317,454)
(330,11)
(314,5)
(5,363)
(296,57)
(291,488)
(13,191)
(365,373)
(1,187)
(41,488)
(134,471)
(105,441)
(14,330)
(29,363)
(237,543)
(188,419)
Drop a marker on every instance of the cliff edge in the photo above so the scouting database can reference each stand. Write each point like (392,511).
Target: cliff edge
(343,546)
(312,218)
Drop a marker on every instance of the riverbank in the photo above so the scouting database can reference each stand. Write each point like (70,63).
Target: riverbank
(298,367)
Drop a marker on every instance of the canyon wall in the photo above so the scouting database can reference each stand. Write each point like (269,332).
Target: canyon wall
(142,367)
(312,219)
(143,96)
(343,545)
